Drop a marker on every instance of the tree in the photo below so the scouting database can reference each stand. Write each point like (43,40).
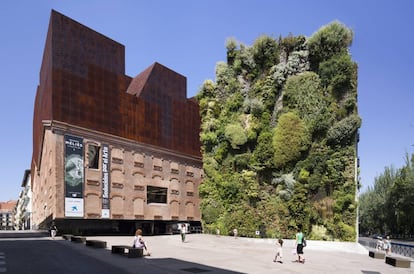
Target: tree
(373,203)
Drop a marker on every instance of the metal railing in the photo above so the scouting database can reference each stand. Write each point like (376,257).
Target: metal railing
(403,249)
(406,250)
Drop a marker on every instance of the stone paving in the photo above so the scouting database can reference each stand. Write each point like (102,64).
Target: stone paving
(203,253)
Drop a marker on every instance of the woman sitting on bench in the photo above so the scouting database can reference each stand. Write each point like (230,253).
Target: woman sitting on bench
(139,242)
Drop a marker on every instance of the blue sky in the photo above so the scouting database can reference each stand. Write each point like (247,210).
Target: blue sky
(189,37)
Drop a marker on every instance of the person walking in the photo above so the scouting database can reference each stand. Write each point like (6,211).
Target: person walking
(53,230)
(279,252)
(183,230)
(299,245)
(387,245)
(380,243)
(235,233)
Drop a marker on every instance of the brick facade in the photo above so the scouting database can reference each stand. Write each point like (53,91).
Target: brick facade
(148,124)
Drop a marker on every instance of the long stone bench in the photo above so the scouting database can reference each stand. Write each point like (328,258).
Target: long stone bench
(67,236)
(96,243)
(131,252)
(78,239)
(398,262)
(376,254)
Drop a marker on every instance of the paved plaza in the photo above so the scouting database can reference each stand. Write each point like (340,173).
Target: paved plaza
(203,253)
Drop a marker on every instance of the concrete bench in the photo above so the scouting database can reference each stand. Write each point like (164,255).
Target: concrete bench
(398,262)
(78,239)
(96,243)
(376,254)
(127,250)
(67,236)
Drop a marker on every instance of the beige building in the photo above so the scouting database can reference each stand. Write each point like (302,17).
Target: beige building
(23,209)
(111,153)
(7,210)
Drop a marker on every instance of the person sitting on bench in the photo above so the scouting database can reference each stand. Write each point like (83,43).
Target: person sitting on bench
(139,242)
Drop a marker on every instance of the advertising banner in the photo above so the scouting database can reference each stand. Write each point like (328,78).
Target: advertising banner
(105,181)
(74,176)
(73,207)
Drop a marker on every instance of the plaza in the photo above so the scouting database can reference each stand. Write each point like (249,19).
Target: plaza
(204,253)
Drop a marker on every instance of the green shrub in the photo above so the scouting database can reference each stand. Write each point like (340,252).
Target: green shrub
(343,132)
(236,135)
(290,139)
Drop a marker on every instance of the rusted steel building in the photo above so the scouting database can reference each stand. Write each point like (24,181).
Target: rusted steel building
(110,152)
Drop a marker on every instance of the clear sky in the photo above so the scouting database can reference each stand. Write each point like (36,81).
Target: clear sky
(189,37)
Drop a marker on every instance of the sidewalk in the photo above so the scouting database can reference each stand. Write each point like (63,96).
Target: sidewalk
(203,253)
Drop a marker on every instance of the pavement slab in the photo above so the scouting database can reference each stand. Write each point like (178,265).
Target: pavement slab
(205,253)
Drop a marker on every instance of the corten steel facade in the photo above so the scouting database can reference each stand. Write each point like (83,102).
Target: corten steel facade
(144,129)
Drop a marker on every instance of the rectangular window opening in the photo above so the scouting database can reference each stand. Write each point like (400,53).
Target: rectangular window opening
(93,156)
(156,195)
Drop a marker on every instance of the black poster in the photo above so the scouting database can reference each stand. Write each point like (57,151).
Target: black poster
(74,170)
(105,180)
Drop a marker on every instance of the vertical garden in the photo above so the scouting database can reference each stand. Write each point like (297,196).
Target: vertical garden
(279,133)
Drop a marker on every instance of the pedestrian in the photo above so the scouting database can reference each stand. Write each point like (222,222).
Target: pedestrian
(387,245)
(235,233)
(218,232)
(300,240)
(183,230)
(279,252)
(53,230)
(139,242)
(380,243)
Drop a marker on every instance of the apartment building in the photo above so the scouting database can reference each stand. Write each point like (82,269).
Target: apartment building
(7,215)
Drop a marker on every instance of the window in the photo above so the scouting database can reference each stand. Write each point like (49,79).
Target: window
(138,164)
(156,194)
(93,156)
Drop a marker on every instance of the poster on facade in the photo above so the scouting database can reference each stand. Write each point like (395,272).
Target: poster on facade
(105,181)
(74,176)
(73,207)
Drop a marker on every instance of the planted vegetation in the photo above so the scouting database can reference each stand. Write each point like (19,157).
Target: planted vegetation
(279,133)
(387,207)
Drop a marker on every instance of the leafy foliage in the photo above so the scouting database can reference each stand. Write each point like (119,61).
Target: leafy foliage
(328,41)
(278,137)
(303,93)
(337,73)
(265,53)
(343,132)
(290,139)
(387,207)
(236,135)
